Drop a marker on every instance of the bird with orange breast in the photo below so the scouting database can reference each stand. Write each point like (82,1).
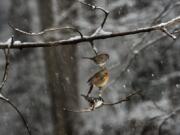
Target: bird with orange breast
(100,59)
(99,79)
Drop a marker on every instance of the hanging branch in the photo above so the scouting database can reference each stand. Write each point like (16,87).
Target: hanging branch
(98,102)
(17,110)
(106,13)
(7,55)
(94,48)
(76,40)
(6,67)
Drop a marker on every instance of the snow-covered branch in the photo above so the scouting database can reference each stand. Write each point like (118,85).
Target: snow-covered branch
(76,40)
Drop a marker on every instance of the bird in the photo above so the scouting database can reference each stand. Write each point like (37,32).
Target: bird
(99,79)
(94,102)
(100,59)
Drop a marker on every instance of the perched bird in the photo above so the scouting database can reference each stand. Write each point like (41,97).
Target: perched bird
(99,79)
(99,59)
(94,102)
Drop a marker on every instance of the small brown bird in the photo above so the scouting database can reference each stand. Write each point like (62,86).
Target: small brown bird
(99,79)
(99,59)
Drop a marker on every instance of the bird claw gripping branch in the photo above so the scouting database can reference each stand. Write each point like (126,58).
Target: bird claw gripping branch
(100,78)
(94,103)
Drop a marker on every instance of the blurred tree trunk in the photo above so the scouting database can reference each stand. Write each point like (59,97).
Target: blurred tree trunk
(20,18)
(61,66)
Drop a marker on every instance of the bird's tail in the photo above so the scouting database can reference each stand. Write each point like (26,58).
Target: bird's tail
(87,98)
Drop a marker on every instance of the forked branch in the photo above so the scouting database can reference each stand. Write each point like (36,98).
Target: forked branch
(106,13)
(6,67)
(74,41)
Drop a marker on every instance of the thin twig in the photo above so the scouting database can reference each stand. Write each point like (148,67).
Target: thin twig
(155,20)
(143,38)
(106,13)
(96,103)
(93,47)
(17,110)
(168,33)
(136,52)
(45,31)
(173,113)
(6,53)
(124,99)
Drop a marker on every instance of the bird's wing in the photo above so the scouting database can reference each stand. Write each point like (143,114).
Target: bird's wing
(96,76)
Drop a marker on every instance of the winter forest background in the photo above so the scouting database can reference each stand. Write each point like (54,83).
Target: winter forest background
(42,81)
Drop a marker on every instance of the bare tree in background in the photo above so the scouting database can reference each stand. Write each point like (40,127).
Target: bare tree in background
(61,67)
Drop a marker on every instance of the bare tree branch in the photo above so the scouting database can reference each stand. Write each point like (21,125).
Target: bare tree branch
(124,99)
(168,33)
(45,31)
(134,53)
(76,40)
(17,110)
(98,102)
(101,26)
(170,5)
(167,117)
(99,8)
(94,48)
(94,103)
(155,20)
(6,53)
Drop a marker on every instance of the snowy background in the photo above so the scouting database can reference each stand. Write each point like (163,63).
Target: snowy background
(155,70)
